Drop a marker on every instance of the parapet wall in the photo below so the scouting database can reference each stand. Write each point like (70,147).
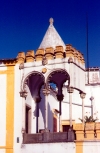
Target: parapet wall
(50,53)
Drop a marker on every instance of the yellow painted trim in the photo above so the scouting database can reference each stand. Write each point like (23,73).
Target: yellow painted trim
(6,71)
(10,109)
(6,147)
(79,147)
(66,122)
(3,72)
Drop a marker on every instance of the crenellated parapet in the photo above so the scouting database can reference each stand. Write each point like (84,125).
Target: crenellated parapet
(30,56)
(75,54)
(83,60)
(79,57)
(59,52)
(49,53)
(69,50)
(39,54)
(21,57)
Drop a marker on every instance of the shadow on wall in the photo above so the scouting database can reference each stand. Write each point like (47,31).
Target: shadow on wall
(34,112)
(42,109)
(50,119)
(42,105)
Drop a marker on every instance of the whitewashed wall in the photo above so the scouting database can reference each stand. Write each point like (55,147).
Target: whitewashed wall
(3,110)
(95,92)
(77,77)
(18,111)
(91,147)
(2,151)
(49,148)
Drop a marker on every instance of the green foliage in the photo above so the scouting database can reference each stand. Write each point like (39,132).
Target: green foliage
(88,119)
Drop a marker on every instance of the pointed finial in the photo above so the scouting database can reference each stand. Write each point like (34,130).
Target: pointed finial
(51,21)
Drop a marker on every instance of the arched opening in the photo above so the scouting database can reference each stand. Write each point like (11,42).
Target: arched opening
(34,82)
(56,80)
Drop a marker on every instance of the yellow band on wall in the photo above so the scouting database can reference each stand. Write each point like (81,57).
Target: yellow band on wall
(79,147)
(10,110)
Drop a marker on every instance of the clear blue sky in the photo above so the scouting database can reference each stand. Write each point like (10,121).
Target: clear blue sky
(23,24)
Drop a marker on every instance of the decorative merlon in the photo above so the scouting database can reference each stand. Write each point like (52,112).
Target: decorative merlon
(21,57)
(49,53)
(39,54)
(30,56)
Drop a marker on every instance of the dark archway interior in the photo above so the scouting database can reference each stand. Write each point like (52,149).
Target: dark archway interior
(58,78)
(35,81)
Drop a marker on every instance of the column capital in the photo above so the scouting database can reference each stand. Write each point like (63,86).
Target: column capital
(46,91)
(70,89)
(23,94)
(82,95)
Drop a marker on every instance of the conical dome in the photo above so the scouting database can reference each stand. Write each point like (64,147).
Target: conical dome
(51,38)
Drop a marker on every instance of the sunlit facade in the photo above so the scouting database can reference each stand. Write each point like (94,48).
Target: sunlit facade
(43,95)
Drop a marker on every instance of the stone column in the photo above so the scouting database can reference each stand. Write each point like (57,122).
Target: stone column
(92,98)
(23,115)
(70,91)
(82,95)
(23,94)
(46,92)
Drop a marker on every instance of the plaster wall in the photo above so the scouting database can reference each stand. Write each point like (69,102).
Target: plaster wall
(95,92)
(2,150)
(52,104)
(33,116)
(52,64)
(77,77)
(3,110)
(3,67)
(76,106)
(49,147)
(18,110)
(91,147)
(94,76)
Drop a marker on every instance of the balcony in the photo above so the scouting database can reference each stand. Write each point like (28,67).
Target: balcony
(48,137)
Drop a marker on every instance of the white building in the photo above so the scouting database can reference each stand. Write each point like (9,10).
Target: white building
(46,92)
